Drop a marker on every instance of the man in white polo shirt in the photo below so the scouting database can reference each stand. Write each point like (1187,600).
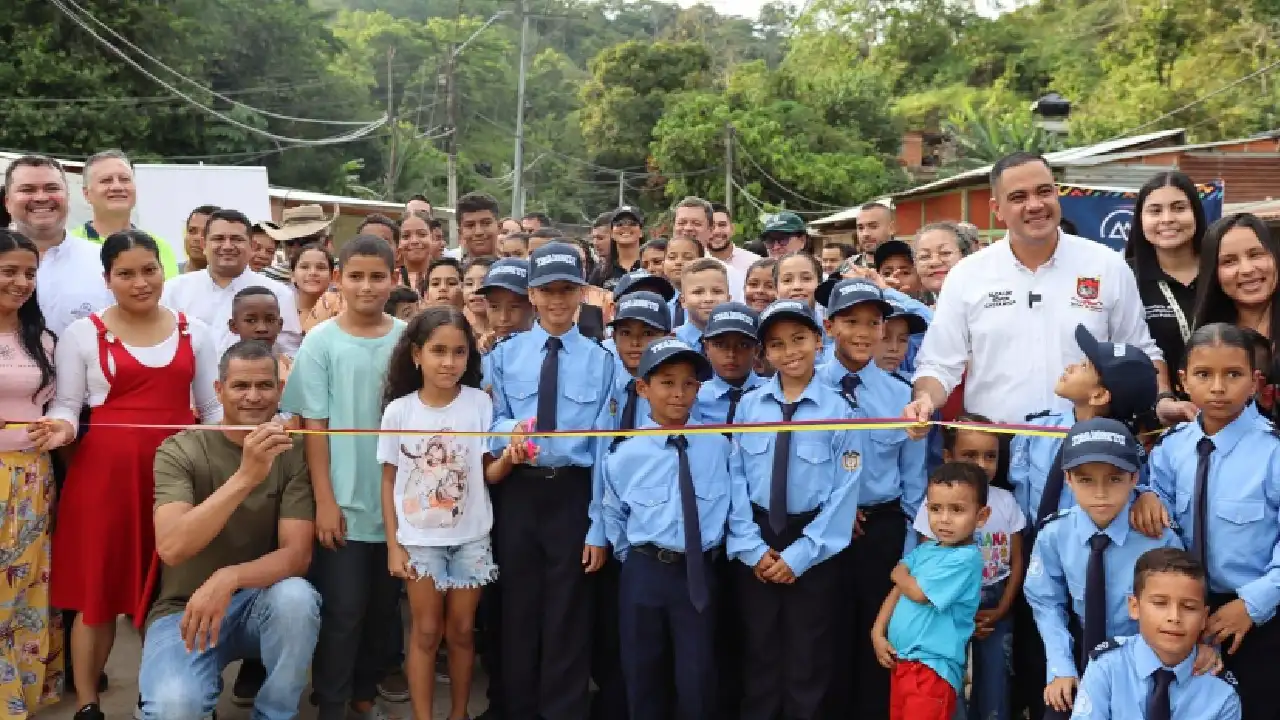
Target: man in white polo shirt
(1007,315)
(694,219)
(69,281)
(208,294)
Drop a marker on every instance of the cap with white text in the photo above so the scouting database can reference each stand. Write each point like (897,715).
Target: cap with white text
(649,308)
(506,274)
(732,317)
(555,262)
(668,350)
(1100,440)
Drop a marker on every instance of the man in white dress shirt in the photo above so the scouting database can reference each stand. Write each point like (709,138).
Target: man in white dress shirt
(694,219)
(1007,314)
(69,281)
(720,244)
(208,294)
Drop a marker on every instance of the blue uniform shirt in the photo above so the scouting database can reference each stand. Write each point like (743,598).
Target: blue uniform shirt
(823,474)
(1120,678)
(895,464)
(1031,457)
(585,382)
(690,335)
(937,633)
(641,478)
(712,406)
(1056,576)
(1244,505)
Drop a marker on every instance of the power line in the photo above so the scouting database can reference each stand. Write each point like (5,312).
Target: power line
(775,181)
(1193,103)
(339,139)
(189,81)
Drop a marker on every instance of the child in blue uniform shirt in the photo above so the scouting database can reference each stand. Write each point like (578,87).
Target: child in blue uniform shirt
(550,531)
(924,624)
(900,325)
(704,284)
(793,504)
(636,281)
(729,342)
(892,486)
(1218,480)
(1082,562)
(1114,380)
(1150,676)
(641,318)
(666,505)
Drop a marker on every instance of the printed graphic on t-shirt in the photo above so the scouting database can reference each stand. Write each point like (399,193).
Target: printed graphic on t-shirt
(995,555)
(436,494)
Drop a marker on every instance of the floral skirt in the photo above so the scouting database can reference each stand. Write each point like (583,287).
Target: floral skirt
(31,661)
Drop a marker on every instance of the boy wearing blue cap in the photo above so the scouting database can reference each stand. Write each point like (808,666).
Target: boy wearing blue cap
(505,290)
(1151,675)
(900,325)
(550,378)
(729,342)
(666,504)
(1082,562)
(642,317)
(892,487)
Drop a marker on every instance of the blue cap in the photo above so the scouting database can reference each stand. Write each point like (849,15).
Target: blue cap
(1100,440)
(644,280)
(649,308)
(732,317)
(915,323)
(668,349)
(555,262)
(856,291)
(507,274)
(786,310)
(1126,372)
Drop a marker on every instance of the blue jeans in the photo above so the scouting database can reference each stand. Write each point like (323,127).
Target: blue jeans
(992,666)
(278,624)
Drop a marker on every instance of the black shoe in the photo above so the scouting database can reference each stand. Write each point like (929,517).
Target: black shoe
(248,682)
(89,712)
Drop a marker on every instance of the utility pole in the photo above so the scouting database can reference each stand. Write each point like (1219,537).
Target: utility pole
(451,108)
(622,189)
(390,192)
(517,187)
(728,169)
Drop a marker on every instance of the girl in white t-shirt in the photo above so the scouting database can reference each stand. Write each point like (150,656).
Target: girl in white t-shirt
(1000,539)
(434,498)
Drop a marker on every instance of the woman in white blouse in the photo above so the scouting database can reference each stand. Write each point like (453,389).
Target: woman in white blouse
(136,363)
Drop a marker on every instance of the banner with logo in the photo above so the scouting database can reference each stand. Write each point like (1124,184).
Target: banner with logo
(1107,215)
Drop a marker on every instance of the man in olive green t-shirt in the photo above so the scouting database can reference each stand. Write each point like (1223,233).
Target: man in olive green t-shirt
(234,523)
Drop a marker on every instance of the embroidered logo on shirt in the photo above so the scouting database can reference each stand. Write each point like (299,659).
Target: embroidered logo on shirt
(1087,288)
(998,298)
(850,461)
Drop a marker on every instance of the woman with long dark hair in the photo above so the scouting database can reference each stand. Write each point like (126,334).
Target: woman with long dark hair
(1164,250)
(28,680)
(135,363)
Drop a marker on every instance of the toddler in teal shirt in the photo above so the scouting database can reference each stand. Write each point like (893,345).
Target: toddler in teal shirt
(926,621)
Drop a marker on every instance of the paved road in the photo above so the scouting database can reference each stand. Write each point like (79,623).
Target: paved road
(119,701)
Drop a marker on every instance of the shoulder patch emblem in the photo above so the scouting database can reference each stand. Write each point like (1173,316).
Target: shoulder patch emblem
(1056,516)
(1230,678)
(1106,646)
(1042,413)
(851,461)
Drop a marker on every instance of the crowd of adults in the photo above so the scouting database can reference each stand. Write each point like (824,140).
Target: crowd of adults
(108,341)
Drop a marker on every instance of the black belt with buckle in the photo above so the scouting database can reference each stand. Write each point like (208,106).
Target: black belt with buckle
(553,473)
(665,556)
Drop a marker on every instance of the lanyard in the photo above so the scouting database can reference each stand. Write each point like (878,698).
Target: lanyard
(1183,326)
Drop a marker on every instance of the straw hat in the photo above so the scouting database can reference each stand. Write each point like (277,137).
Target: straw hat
(299,222)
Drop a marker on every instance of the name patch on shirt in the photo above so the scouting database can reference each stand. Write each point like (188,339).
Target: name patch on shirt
(998,298)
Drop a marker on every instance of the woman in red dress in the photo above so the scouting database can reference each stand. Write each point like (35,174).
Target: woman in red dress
(135,363)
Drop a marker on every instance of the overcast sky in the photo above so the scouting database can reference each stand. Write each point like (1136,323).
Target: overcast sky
(746,8)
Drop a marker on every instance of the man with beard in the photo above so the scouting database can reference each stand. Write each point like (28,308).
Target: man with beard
(209,294)
(477,227)
(694,219)
(109,190)
(874,226)
(720,245)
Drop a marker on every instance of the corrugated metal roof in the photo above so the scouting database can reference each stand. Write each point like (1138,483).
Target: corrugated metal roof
(1060,158)
(1114,175)
(1246,177)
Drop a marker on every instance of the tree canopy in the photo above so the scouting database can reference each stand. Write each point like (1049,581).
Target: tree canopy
(632,98)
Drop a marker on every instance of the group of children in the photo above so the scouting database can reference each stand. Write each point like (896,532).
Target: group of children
(697,569)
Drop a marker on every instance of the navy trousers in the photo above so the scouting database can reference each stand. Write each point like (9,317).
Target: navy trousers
(665,641)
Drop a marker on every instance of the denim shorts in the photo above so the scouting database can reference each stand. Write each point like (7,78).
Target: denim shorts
(469,565)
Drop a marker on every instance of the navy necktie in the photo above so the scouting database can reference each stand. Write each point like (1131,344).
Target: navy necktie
(628,421)
(1051,496)
(1158,707)
(1095,595)
(849,387)
(1200,528)
(694,567)
(735,396)
(778,483)
(679,318)
(549,386)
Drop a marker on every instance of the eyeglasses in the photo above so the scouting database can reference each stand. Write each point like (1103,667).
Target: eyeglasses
(778,240)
